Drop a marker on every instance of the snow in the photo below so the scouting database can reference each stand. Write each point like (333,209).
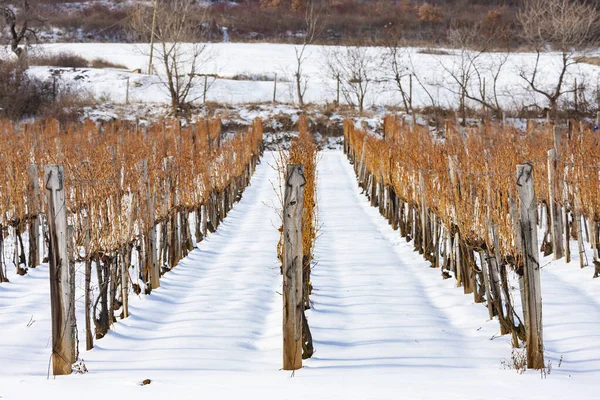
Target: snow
(265,59)
(385,325)
(414,318)
(210,312)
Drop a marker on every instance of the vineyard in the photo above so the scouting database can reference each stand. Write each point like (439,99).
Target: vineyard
(458,200)
(131,196)
(191,259)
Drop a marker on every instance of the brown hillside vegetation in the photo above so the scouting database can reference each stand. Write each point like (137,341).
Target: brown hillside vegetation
(343,21)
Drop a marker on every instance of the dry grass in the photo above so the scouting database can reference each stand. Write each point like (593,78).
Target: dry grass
(101,63)
(592,60)
(433,51)
(517,362)
(348,22)
(62,60)
(70,60)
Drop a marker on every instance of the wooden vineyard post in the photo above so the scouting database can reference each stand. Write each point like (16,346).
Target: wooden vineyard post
(577,225)
(531,268)
(347,143)
(592,230)
(337,97)
(203,218)
(292,267)
(126,260)
(205,89)
(458,261)
(483,259)
(33,209)
(561,187)
(62,275)
(373,192)
(89,337)
(275,89)
(362,160)
(152,243)
(410,97)
(555,214)
(152,267)
(424,214)
(197,227)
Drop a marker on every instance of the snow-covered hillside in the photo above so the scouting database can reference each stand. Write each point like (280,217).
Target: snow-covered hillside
(262,61)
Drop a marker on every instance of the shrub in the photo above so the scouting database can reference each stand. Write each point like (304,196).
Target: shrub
(21,95)
(102,63)
(70,60)
(433,51)
(495,26)
(25,96)
(430,13)
(68,106)
(63,59)
(258,77)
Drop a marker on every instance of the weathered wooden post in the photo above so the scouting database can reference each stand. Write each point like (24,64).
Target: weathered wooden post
(555,214)
(362,160)
(3,277)
(410,95)
(205,89)
(483,259)
(62,275)
(152,243)
(575,97)
(203,220)
(127,259)
(152,267)
(275,89)
(561,188)
(577,207)
(423,212)
(531,268)
(292,266)
(337,97)
(458,262)
(33,208)
(89,337)
(347,143)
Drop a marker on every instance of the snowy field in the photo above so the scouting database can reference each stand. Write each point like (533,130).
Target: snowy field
(263,61)
(384,324)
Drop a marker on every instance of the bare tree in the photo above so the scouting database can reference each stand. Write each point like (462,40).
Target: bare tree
(18,25)
(469,69)
(313,18)
(569,27)
(397,71)
(355,68)
(426,85)
(176,31)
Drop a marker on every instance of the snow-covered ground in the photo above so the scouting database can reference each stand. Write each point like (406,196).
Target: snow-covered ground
(262,61)
(384,324)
